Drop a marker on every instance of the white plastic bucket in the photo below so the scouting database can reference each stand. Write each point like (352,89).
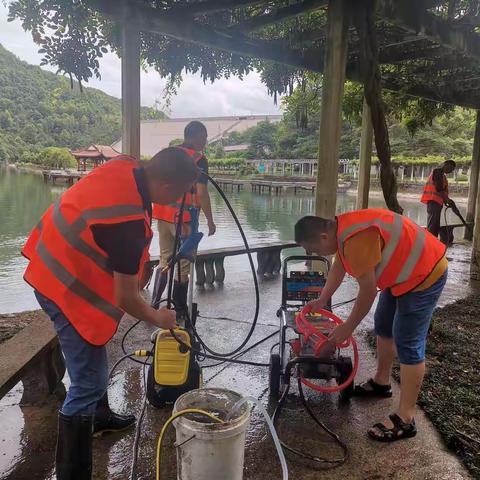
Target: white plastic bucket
(207,450)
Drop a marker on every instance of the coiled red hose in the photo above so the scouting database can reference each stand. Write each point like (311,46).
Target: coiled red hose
(310,332)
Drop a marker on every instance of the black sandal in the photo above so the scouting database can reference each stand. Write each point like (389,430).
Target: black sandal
(371,388)
(400,430)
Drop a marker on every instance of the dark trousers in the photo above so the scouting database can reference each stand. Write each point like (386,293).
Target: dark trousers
(434,211)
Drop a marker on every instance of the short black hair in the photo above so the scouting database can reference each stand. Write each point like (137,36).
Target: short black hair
(172,165)
(193,129)
(308,228)
(452,163)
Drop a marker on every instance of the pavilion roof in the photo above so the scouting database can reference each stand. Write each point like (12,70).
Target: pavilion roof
(96,151)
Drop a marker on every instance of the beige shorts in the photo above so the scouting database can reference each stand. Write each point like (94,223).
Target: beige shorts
(166,234)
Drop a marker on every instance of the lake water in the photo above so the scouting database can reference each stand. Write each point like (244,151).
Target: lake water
(24,198)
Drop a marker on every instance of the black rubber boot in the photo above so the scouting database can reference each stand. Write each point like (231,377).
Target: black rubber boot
(107,421)
(179,296)
(158,287)
(74,447)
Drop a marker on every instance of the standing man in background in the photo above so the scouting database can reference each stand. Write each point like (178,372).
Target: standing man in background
(435,195)
(195,139)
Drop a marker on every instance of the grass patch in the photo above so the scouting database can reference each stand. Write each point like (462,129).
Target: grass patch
(451,390)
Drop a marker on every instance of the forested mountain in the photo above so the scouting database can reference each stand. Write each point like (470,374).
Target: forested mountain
(39,109)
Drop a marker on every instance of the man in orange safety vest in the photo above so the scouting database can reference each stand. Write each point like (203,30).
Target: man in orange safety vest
(383,250)
(435,195)
(86,258)
(195,140)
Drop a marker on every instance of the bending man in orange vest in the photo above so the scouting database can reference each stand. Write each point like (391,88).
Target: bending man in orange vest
(435,194)
(86,257)
(382,249)
(195,140)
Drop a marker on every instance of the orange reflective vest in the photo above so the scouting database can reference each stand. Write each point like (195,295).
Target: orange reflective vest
(67,266)
(430,193)
(410,252)
(170,213)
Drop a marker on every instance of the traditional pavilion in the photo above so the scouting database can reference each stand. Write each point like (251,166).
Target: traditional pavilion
(93,156)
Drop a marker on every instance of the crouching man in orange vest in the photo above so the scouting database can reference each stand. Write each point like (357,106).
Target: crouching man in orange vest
(435,195)
(195,139)
(384,250)
(86,256)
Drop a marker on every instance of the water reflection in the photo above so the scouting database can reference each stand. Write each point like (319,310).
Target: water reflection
(24,198)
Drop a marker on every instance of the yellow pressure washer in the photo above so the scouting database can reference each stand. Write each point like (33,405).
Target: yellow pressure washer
(174,369)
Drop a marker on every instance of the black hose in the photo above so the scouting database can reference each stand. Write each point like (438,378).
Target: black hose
(335,462)
(238,355)
(254,276)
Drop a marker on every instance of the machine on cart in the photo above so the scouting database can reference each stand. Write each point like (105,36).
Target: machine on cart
(303,335)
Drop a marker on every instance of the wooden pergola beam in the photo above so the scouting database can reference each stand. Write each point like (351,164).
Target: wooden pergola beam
(209,6)
(279,14)
(428,25)
(153,20)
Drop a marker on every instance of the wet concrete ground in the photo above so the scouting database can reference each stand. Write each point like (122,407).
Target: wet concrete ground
(27,435)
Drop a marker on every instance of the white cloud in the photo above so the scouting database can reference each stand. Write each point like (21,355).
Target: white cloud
(195,99)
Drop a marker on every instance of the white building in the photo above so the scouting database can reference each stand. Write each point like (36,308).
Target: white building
(157,134)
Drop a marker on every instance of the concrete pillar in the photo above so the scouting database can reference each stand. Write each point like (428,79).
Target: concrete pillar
(423,173)
(330,119)
(130,90)
(412,173)
(474,177)
(283,168)
(365,165)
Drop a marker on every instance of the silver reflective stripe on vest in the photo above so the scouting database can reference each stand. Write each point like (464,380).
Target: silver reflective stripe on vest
(413,256)
(395,229)
(360,226)
(75,285)
(71,234)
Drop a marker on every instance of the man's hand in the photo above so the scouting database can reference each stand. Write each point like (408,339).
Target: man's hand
(128,298)
(212,228)
(451,204)
(341,333)
(316,305)
(166,318)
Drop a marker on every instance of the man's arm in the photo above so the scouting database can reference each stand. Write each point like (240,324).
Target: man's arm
(334,279)
(206,206)
(366,296)
(438,180)
(128,298)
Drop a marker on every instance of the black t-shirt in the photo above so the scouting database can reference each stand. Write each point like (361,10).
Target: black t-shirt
(437,177)
(124,242)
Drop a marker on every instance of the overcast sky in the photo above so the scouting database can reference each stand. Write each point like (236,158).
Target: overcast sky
(194,99)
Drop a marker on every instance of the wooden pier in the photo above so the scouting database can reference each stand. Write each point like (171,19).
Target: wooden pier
(233,185)
(64,176)
(278,187)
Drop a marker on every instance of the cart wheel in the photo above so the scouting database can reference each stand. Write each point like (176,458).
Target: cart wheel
(274,375)
(345,369)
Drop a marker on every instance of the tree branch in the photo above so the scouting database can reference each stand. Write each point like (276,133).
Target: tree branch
(363,19)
